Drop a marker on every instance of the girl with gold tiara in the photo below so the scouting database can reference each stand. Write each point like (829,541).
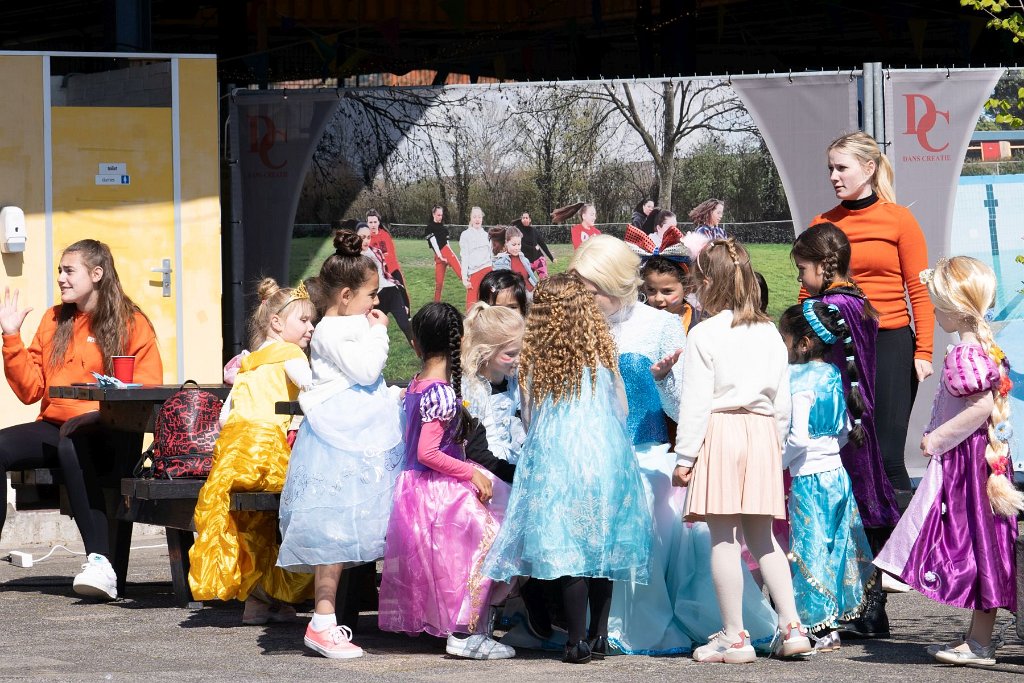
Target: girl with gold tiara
(235,552)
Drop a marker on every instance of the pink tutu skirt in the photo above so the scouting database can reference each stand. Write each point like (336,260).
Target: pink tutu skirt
(438,536)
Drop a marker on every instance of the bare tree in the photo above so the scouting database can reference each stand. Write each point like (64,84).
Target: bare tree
(364,138)
(681,108)
(561,139)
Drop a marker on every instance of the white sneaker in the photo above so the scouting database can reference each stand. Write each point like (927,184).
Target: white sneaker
(97,579)
(969,653)
(478,646)
(720,649)
(890,584)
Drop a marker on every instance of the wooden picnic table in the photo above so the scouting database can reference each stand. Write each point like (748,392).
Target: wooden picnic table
(129,414)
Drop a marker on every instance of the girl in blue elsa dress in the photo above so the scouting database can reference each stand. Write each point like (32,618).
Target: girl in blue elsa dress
(577,511)
(677,606)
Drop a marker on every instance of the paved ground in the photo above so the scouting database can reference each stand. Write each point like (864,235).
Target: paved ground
(47,633)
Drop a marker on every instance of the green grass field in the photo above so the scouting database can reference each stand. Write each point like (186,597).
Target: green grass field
(772,260)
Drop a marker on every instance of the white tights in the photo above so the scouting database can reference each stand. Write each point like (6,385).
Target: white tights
(727,569)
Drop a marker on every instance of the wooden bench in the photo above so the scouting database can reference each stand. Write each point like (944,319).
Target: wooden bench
(172,503)
(39,489)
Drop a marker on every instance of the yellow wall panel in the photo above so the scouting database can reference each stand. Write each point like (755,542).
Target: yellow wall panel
(21,184)
(137,219)
(200,220)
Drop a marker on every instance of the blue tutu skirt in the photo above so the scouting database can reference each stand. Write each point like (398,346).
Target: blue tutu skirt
(336,502)
(829,551)
(578,506)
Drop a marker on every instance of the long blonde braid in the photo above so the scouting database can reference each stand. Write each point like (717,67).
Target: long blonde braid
(964,288)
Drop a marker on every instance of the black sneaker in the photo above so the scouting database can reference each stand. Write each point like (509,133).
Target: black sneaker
(578,653)
(598,646)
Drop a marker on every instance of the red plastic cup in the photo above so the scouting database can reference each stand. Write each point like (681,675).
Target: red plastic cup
(124,368)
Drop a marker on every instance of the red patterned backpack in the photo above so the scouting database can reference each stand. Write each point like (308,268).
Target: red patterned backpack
(186,429)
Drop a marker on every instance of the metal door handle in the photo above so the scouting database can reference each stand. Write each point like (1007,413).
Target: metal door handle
(166,270)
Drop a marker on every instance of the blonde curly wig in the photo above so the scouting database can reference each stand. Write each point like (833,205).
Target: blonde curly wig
(565,335)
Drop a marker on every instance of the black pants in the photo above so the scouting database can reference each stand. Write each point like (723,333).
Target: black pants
(895,391)
(40,444)
(393,303)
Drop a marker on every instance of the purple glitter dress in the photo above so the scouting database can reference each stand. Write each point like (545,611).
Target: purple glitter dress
(439,532)
(872,489)
(949,545)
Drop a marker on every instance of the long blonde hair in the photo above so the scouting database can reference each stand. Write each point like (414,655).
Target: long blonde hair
(865,149)
(488,329)
(565,335)
(612,266)
(964,288)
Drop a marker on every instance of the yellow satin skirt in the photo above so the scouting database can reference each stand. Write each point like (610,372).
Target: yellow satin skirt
(236,552)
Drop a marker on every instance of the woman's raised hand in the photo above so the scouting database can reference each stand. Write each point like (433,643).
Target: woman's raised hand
(11,319)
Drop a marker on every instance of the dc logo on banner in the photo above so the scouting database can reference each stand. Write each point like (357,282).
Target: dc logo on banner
(922,125)
(262,144)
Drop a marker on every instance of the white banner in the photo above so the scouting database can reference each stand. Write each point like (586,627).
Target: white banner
(930,116)
(798,117)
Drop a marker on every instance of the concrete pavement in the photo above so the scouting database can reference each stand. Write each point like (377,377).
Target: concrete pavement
(48,633)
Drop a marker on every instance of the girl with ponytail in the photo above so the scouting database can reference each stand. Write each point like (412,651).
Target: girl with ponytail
(342,471)
(955,543)
(447,511)
(828,548)
(887,252)
(822,257)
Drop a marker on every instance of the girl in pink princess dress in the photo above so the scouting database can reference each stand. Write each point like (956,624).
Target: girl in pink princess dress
(955,543)
(446,511)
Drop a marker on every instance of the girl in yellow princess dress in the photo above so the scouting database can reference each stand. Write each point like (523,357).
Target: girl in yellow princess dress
(235,553)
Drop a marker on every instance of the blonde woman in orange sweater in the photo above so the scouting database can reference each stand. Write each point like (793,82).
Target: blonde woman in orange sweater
(94,322)
(888,251)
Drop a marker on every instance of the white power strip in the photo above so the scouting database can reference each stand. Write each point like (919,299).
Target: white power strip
(20,559)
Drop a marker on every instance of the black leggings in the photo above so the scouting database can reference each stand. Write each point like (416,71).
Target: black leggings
(895,391)
(392,302)
(39,444)
(578,593)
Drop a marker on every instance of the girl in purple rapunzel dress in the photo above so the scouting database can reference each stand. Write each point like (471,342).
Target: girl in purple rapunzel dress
(955,542)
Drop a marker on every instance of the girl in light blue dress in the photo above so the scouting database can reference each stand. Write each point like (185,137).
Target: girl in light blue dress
(578,510)
(337,494)
(829,551)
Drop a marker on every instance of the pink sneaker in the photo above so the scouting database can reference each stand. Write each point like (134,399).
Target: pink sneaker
(333,643)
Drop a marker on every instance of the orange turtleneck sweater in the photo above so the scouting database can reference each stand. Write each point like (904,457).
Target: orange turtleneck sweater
(888,253)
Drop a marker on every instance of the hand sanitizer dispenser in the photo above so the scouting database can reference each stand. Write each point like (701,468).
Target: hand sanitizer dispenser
(12,230)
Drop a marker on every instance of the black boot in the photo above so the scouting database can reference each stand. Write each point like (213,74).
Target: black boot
(874,623)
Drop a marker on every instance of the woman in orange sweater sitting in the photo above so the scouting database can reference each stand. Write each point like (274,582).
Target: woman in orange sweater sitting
(94,322)
(888,252)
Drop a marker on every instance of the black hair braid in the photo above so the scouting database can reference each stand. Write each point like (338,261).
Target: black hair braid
(455,350)
(834,323)
(455,363)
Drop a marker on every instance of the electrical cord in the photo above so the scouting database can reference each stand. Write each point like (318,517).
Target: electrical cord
(76,552)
